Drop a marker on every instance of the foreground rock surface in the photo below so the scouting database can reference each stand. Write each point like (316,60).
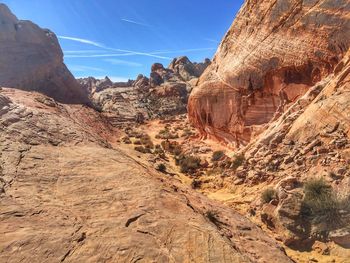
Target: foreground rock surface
(69,195)
(273,53)
(31,59)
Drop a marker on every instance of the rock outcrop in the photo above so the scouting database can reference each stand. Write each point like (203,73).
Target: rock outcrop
(271,56)
(311,139)
(164,93)
(31,59)
(69,194)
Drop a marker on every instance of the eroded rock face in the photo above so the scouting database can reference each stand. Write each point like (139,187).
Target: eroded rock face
(69,194)
(273,53)
(31,59)
(310,140)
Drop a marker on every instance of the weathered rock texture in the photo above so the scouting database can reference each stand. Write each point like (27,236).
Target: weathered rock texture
(31,59)
(273,53)
(69,195)
(310,140)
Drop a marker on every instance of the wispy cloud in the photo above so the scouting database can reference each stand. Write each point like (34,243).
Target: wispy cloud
(212,40)
(83,51)
(96,44)
(82,40)
(81,68)
(183,50)
(134,22)
(115,61)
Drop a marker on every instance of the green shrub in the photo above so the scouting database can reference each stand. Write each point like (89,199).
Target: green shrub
(237,161)
(322,207)
(161,167)
(268,195)
(188,164)
(142,149)
(316,189)
(217,155)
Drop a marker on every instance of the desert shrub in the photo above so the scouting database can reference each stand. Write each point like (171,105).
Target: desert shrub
(161,167)
(126,140)
(316,189)
(268,195)
(167,134)
(142,149)
(158,149)
(188,164)
(186,133)
(237,161)
(196,184)
(322,207)
(147,141)
(217,155)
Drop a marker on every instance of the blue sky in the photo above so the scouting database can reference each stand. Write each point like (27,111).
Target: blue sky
(122,38)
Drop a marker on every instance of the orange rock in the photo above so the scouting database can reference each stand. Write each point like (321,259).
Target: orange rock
(273,53)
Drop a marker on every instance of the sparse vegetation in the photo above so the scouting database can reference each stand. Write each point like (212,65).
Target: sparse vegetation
(188,164)
(167,134)
(147,141)
(142,149)
(268,195)
(196,184)
(322,207)
(161,167)
(126,140)
(217,155)
(237,161)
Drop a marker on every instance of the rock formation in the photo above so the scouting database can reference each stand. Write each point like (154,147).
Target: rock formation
(164,93)
(69,194)
(31,59)
(271,56)
(310,140)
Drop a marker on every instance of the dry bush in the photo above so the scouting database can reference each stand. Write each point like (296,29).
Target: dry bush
(268,195)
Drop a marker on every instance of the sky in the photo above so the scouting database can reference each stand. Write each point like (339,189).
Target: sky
(123,38)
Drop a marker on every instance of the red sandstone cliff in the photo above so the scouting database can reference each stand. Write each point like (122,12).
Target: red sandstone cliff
(272,54)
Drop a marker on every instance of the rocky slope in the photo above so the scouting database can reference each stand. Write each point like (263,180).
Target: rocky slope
(31,59)
(68,194)
(271,56)
(310,140)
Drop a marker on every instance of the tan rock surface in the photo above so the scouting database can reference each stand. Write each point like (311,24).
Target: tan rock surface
(272,54)
(31,59)
(68,195)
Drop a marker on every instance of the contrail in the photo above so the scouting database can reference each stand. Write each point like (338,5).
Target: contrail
(134,22)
